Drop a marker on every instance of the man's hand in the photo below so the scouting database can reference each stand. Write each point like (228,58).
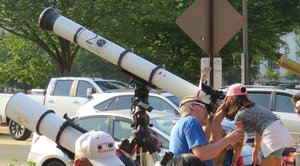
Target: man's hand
(236,136)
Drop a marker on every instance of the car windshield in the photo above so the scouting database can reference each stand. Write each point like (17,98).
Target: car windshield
(174,99)
(110,85)
(125,102)
(164,124)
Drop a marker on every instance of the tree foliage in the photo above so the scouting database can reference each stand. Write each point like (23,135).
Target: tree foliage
(272,75)
(97,67)
(291,76)
(148,27)
(297,31)
(20,17)
(24,65)
(268,21)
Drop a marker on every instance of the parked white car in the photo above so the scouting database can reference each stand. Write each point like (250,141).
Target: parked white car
(44,151)
(63,95)
(122,99)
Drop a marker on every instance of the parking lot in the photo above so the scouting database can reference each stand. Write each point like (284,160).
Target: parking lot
(11,151)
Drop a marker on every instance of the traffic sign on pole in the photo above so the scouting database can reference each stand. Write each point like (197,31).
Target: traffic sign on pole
(195,23)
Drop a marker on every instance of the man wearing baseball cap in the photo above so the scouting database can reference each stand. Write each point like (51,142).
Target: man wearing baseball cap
(96,148)
(188,136)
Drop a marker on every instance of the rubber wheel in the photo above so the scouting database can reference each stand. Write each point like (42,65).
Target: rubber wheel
(54,163)
(18,132)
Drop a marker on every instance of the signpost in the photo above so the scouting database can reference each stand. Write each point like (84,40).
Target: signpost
(217,71)
(210,24)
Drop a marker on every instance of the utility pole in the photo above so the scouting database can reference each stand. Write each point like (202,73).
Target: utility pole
(211,42)
(245,71)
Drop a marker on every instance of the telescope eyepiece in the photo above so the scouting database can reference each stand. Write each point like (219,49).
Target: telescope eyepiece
(48,18)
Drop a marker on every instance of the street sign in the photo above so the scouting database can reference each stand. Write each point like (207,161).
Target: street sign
(195,22)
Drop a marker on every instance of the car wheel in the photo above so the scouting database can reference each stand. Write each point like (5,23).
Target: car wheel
(18,132)
(54,163)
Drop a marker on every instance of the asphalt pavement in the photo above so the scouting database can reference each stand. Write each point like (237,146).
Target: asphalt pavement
(12,152)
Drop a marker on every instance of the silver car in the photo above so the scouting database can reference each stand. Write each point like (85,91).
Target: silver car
(44,151)
(122,99)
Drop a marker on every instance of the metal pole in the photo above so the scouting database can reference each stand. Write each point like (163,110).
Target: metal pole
(211,42)
(245,44)
(243,68)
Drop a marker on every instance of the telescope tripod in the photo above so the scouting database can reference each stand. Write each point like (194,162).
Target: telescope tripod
(141,140)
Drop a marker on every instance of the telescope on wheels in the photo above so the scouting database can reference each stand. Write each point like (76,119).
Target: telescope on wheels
(37,118)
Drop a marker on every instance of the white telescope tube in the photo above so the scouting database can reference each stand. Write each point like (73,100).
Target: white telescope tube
(35,117)
(64,27)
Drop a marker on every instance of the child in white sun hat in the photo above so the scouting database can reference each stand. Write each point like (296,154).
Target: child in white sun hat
(96,148)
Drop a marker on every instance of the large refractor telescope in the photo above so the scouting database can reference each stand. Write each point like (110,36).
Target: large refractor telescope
(123,58)
(37,118)
(64,132)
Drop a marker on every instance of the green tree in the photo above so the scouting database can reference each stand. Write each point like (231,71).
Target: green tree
(19,17)
(23,65)
(297,31)
(97,67)
(291,76)
(268,21)
(152,33)
(272,75)
(149,28)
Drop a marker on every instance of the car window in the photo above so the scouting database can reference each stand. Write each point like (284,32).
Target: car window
(283,103)
(62,88)
(174,99)
(164,124)
(110,104)
(111,85)
(261,98)
(121,129)
(82,88)
(124,102)
(160,104)
(94,123)
(163,140)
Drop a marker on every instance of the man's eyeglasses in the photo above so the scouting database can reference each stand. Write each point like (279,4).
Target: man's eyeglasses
(202,105)
(196,103)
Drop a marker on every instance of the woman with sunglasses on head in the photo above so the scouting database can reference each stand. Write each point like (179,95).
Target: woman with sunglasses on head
(271,136)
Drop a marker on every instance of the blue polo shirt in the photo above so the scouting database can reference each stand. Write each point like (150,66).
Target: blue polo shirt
(186,134)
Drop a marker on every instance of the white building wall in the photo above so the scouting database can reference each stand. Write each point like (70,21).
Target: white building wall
(290,38)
